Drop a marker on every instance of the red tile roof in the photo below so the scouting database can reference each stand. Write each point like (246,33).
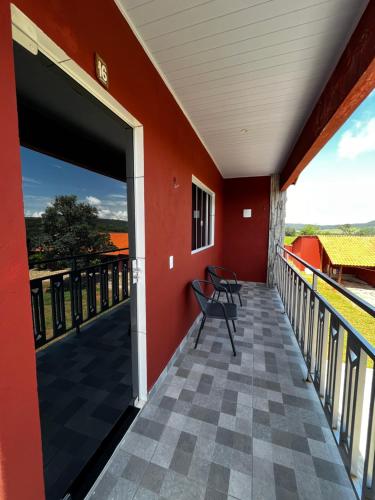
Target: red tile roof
(120,240)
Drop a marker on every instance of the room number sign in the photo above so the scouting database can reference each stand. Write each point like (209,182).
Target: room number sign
(101,71)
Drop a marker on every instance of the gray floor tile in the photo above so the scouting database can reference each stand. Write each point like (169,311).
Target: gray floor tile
(284,477)
(218,478)
(199,469)
(135,469)
(181,461)
(144,494)
(153,478)
(123,490)
(163,455)
(244,428)
(334,491)
(239,485)
(215,495)
(187,442)
(104,487)
(177,486)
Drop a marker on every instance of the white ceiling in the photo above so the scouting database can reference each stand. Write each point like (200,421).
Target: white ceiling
(245,72)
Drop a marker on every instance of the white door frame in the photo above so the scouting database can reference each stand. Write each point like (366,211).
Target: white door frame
(30,36)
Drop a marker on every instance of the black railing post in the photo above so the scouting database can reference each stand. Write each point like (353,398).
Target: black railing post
(76,299)
(37,307)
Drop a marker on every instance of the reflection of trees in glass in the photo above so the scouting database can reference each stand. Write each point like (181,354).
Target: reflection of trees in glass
(69,227)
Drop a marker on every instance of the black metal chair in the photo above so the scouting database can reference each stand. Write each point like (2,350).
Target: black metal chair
(223,285)
(212,308)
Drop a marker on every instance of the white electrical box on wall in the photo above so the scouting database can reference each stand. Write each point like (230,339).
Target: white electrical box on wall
(247,213)
(171,262)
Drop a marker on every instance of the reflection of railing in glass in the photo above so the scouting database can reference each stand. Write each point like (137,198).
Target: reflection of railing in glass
(340,362)
(65,300)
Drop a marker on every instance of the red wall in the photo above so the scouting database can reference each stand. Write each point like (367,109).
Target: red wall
(308,248)
(20,440)
(246,240)
(171,150)
(367,275)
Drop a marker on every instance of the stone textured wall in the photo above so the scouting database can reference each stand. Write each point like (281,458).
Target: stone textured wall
(277,225)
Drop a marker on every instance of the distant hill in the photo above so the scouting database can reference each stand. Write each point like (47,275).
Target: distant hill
(112,225)
(360,225)
(34,226)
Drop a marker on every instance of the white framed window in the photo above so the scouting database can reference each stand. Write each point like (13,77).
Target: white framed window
(203,216)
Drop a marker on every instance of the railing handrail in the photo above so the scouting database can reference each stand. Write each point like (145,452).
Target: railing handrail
(337,359)
(78,256)
(367,347)
(56,274)
(363,304)
(100,281)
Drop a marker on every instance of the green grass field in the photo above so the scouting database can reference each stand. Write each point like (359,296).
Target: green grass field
(358,318)
(68,309)
(288,240)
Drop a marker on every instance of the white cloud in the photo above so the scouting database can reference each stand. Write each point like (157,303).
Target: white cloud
(120,215)
(110,209)
(30,180)
(93,201)
(121,196)
(30,213)
(361,139)
(106,213)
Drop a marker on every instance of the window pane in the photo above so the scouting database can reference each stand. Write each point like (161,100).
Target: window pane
(209,218)
(204,218)
(193,218)
(198,216)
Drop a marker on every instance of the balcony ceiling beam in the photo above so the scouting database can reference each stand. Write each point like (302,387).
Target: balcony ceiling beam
(350,83)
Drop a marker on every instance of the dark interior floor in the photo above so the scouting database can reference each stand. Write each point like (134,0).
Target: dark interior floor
(84,385)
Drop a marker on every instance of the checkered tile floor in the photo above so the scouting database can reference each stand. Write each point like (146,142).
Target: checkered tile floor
(245,427)
(84,386)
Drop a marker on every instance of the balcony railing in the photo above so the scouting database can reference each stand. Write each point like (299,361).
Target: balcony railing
(64,300)
(337,358)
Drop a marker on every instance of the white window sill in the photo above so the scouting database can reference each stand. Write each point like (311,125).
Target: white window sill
(202,248)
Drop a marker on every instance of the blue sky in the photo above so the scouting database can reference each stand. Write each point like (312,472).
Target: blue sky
(44,177)
(338,186)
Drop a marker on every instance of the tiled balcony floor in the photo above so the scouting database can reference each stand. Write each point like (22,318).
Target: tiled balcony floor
(245,427)
(84,386)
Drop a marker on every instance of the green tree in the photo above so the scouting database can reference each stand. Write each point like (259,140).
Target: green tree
(290,231)
(366,231)
(347,229)
(309,230)
(70,228)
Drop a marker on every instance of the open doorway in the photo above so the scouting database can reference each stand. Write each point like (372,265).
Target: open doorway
(80,300)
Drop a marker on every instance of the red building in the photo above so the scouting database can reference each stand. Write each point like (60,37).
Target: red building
(338,256)
(156,123)
(348,256)
(309,249)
